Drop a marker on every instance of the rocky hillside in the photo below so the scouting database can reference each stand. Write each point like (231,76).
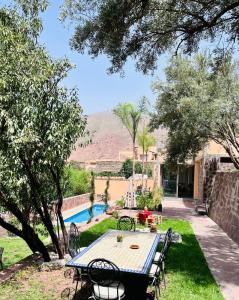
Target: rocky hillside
(109,138)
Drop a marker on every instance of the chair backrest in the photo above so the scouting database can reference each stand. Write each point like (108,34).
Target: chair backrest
(103,273)
(126,223)
(73,240)
(167,243)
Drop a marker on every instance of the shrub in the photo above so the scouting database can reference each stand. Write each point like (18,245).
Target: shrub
(42,231)
(115,214)
(120,202)
(157,195)
(127,168)
(78,181)
(145,199)
(109,174)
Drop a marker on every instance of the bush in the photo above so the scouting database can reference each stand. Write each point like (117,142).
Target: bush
(42,231)
(157,195)
(120,202)
(127,168)
(109,174)
(145,199)
(78,181)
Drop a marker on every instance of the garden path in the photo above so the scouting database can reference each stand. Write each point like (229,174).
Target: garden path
(221,253)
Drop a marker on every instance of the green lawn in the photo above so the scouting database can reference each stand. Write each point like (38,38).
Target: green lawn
(15,249)
(188,276)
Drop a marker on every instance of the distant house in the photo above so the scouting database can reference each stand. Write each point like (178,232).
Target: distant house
(111,146)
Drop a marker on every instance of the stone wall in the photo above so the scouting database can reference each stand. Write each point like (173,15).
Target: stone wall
(224,203)
(74,201)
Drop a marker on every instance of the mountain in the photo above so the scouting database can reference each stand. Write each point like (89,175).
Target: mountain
(109,138)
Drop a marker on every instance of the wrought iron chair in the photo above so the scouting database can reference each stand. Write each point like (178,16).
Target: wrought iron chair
(1,259)
(126,223)
(104,275)
(74,249)
(160,257)
(154,276)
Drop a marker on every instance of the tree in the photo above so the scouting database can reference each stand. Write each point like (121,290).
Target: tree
(130,116)
(199,102)
(143,30)
(127,168)
(106,192)
(39,125)
(92,196)
(145,141)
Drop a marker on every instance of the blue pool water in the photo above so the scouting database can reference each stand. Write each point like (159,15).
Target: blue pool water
(83,216)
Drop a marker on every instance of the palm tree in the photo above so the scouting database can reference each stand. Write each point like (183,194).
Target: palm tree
(145,141)
(130,116)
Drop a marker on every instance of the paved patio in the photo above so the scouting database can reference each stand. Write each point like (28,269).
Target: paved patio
(221,253)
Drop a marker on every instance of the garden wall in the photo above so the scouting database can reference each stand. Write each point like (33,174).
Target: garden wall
(224,203)
(74,201)
(118,186)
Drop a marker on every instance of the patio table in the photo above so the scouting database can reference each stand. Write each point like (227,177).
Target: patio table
(134,264)
(128,260)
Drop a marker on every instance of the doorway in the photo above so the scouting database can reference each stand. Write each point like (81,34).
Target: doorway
(178,183)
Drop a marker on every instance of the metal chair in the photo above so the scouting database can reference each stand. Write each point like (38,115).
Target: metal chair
(74,249)
(104,275)
(160,257)
(154,276)
(126,223)
(74,241)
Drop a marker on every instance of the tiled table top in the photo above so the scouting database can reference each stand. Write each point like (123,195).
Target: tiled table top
(127,259)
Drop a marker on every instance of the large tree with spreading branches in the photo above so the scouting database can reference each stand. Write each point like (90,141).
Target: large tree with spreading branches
(144,29)
(40,122)
(199,102)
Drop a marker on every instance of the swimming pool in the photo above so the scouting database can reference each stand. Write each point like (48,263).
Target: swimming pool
(83,216)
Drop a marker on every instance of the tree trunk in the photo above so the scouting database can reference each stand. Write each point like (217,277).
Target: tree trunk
(133,159)
(48,223)
(143,172)
(146,181)
(30,237)
(33,241)
(56,178)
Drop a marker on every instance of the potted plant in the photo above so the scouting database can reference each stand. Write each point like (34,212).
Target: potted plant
(157,198)
(119,238)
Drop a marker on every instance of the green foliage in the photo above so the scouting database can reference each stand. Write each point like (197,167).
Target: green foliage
(127,168)
(106,192)
(108,174)
(145,199)
(92,195)
(40,122)
(130,116)
(78,181)
(144,30)
(157,195)
(146,140)
(120,202)
(115,214)
(187,271)
(199,102)
(42,231)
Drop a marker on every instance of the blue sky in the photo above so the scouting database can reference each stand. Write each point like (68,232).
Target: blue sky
(98,91)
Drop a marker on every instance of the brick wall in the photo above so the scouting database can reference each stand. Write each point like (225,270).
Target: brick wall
(224,203)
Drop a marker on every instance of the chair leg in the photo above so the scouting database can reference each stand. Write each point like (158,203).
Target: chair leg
(77,282)
(163,278)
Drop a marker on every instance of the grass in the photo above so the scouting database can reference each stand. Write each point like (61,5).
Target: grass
(15,249)
(188,276)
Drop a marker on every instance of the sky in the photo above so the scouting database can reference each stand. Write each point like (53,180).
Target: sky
(98,91)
